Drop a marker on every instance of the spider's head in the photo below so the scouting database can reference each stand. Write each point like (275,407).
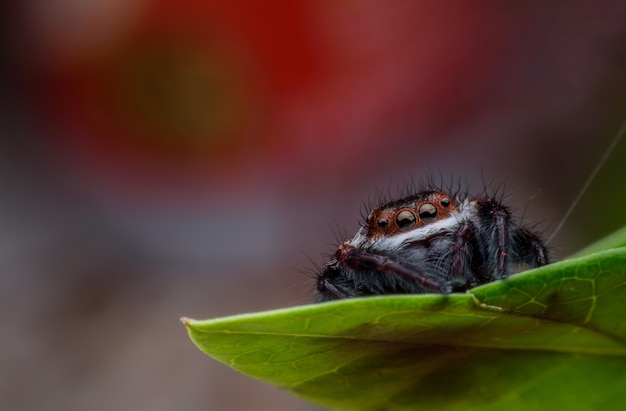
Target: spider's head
(409,212)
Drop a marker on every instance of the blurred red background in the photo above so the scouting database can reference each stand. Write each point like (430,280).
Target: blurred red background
(168,158)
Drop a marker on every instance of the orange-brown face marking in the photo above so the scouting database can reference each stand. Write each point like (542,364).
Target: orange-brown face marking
(409,213)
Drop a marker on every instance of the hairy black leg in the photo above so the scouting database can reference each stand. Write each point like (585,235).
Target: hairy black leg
(501,223)
(540,253)
(332,284)
(358,259)
(536,247)
(329,290)
(461,254)
(497,219)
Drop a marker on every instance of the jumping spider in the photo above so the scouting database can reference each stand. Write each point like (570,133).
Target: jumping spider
(430,242)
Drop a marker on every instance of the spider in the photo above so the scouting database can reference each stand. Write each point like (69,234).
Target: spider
(431,242)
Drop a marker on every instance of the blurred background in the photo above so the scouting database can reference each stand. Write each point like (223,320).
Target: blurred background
(164,158)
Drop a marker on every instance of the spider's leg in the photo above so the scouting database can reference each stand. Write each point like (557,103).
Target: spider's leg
(461,274)
(536,248)
(359,259)
(496,223)
(326,290)
(333,284)
(501,223)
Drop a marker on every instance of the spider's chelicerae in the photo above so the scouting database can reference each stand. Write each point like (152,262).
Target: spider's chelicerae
(430,242)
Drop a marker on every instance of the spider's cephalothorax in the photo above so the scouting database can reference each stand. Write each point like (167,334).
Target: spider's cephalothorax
(430,242)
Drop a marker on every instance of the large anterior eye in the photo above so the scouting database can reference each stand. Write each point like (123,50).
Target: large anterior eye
(405,220)
(428,212)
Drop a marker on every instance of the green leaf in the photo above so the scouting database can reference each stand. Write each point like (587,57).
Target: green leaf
(553,337)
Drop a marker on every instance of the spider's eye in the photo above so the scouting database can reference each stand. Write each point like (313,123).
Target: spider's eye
(445,202)
(405,220)
(428,212)
(383,223)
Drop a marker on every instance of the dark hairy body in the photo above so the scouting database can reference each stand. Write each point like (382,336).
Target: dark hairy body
(431,242)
